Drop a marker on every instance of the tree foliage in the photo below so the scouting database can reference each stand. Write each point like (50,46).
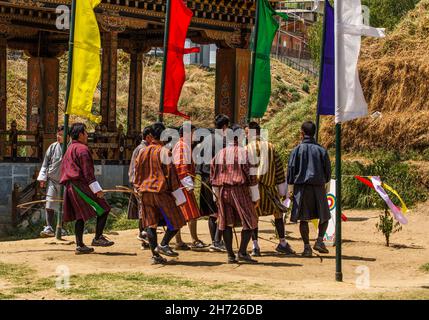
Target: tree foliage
(388,13)
(383,14)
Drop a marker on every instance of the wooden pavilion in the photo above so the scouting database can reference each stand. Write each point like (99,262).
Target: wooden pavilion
(135,26)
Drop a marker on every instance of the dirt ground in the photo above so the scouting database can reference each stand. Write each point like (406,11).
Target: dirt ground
(393,272)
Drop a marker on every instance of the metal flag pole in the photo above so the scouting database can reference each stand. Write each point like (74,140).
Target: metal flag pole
(66,116)
(322,58)
(252,70)
(338,267)
(164,62)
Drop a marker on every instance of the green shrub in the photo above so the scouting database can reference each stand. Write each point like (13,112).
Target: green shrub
(306,87)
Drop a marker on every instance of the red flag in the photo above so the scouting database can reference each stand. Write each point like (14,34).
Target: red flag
(180,19)
(365,181)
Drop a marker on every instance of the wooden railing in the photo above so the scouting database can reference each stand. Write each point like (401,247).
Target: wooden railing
(21,145)
(106,147)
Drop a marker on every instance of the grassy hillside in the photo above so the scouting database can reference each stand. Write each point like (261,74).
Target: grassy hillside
(394,72)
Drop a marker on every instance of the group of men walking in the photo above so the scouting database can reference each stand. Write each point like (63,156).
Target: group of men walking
(242,179)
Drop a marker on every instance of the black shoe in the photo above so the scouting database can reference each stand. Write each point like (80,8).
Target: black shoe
(182,247)
(256,252)
(158,260)
(232,259)
(144,246)
(320,246)
(307,251)
(84,250)
(287,250)
(102,242)
(246,258)
(166,250)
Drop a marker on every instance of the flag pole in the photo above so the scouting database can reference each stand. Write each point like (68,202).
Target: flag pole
(338,267)
(252,70)
(164,62)
(66,116)
(322,58)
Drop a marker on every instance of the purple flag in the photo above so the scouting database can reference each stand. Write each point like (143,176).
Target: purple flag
(326,99)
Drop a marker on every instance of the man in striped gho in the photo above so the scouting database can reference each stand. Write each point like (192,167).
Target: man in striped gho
(134,208)
(272,186)
(185,167)
(160,193)
(236,192)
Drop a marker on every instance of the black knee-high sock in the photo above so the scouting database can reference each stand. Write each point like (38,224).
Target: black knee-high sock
(101,223)
(227,237)
(78,230)
(212,228)
(255,234)
(50,214)
(322,230)
(169,234)
(280,227)
(245,239)
(218,235)
(141,229)
(153,239)
(305,232)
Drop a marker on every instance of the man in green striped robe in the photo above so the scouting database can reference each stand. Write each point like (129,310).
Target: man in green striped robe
(272,185)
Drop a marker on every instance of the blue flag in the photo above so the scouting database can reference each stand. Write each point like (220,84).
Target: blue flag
(326,99)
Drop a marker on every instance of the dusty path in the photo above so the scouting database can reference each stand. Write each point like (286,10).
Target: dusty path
(393,272)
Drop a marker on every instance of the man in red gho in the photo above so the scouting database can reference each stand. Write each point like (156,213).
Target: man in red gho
(82,192)
(160,193)
(237,194)
(182,159)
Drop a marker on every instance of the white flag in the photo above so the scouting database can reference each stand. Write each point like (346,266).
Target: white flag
(351,102)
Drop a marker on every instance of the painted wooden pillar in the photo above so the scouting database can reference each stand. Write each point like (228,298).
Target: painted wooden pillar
(135,98)
(42,96)
(232,83)
(109,79)
(3,93)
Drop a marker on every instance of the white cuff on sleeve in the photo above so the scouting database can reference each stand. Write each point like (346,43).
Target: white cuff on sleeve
(188,183)
(42,175)
(95,187)
(254,193)
(179,196)
(282,189)
(216,191)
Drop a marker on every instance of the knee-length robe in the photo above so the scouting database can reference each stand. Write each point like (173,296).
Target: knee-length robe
(133,205)
(271,177)
(185,167)
(155,181)
(77,168)
(232,177)
(309,170)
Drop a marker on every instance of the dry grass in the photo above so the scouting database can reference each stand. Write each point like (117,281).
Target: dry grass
(395,76)
(197,99)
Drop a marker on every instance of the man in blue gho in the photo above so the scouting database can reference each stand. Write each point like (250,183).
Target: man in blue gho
(309,171)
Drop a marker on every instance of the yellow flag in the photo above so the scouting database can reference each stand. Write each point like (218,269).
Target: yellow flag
(86,67)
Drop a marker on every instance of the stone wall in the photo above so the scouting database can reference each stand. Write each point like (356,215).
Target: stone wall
(109,177)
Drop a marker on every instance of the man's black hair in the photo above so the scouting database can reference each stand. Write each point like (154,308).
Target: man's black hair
(309,128)
(255,126)
(221,120)
(76,129)
(147,131)
(60,128)
(181,129)
(157,129)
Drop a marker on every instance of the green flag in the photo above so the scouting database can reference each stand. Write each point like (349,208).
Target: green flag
(265,31)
